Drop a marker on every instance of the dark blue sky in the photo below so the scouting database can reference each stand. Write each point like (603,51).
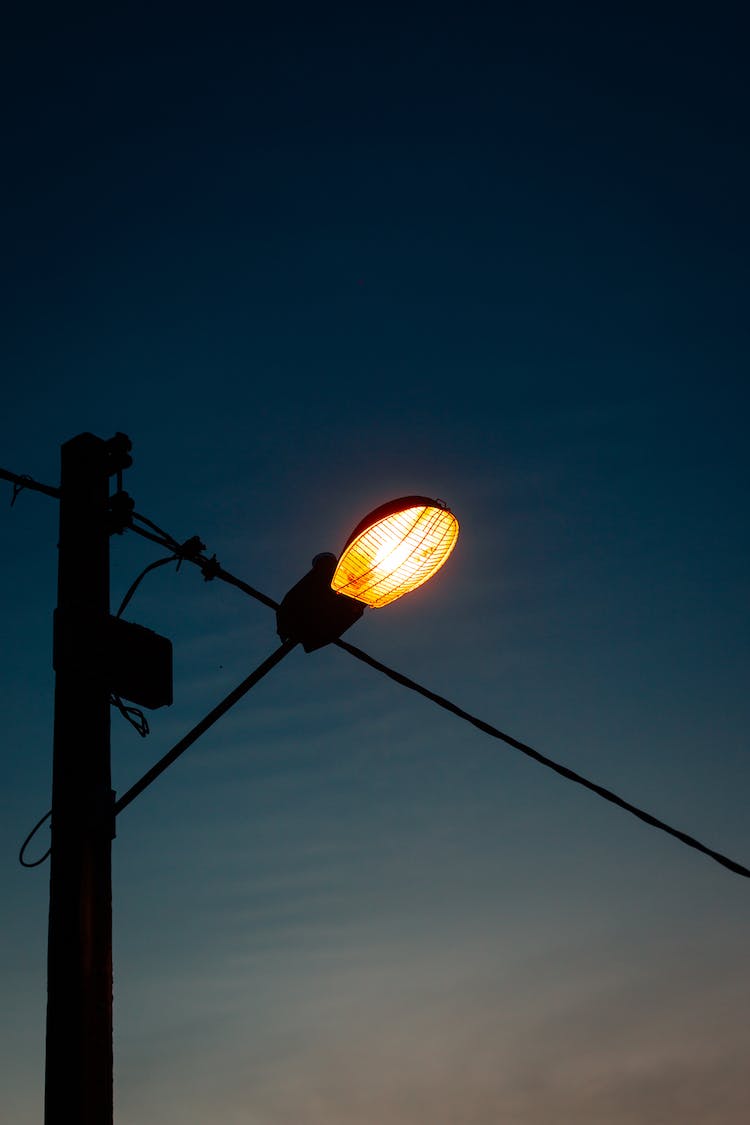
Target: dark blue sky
(309,261)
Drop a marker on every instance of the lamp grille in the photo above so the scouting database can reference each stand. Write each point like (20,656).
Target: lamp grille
(396,554)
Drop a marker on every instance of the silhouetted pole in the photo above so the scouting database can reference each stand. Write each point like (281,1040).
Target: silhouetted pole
(78,1079)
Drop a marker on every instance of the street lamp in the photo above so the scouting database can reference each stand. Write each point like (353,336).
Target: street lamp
(393,550)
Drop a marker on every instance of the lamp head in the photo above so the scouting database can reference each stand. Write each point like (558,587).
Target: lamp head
(390,552)
(394,549)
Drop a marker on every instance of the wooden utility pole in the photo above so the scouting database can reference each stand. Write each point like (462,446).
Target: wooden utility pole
(78,1078)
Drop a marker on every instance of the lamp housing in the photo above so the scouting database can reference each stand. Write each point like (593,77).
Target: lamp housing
(311,613)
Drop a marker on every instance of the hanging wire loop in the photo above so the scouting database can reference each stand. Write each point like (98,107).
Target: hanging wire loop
(27,841)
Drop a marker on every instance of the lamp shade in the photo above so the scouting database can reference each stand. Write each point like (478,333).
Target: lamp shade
(395,549)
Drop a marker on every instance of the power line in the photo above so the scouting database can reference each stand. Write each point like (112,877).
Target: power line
(134,585)
(529,751)
(21,481)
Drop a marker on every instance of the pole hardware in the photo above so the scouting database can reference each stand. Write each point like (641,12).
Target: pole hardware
(120,512)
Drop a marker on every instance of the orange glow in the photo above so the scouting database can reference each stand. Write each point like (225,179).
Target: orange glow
(395,549)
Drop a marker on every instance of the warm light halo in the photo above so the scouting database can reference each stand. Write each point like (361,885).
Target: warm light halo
(394,549)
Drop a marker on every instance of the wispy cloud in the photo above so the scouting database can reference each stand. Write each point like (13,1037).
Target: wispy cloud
(400,1031)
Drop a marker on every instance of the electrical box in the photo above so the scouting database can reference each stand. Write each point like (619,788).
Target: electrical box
(140,664)
(137,662)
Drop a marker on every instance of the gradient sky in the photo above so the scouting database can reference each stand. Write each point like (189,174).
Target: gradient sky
(309,262)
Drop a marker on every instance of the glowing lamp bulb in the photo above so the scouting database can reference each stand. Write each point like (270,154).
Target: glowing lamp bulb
(395,549)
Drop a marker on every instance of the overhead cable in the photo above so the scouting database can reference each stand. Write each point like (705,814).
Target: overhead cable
(529,751)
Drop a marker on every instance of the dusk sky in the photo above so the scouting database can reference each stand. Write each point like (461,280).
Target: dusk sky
(308,262)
